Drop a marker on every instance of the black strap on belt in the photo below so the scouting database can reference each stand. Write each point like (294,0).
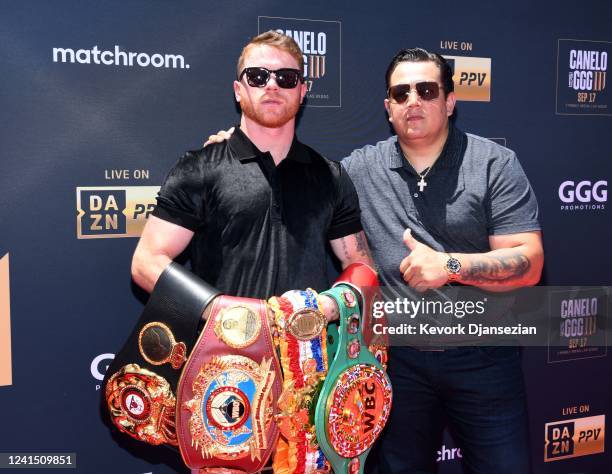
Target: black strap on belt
(178,301)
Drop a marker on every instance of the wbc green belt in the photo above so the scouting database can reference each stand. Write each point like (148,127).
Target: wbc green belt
(355,401)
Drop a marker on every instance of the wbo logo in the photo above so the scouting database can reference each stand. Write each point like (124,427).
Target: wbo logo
(320,42)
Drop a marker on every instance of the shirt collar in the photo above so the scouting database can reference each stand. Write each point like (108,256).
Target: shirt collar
(244,149)
(449,157)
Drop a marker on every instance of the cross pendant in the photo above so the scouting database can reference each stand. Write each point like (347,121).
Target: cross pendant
(421,184)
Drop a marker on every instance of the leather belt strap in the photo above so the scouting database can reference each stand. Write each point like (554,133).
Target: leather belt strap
(229,389)
(140,383)
(363,280)
(355,400)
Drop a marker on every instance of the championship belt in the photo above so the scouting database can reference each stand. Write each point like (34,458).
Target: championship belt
(363,280)
(355,401)
(301,339)
(141,381)
(228,390)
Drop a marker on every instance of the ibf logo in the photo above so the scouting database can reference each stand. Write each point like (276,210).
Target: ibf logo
(573,438)
(106,212)
(582,195)
(319,41)
(472,78)
(6,372)
(583,66)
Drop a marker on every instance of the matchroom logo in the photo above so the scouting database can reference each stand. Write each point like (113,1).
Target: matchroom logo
(320,42)
(472,78)
(582,68)
(6,373)
(107,212)
(572,438)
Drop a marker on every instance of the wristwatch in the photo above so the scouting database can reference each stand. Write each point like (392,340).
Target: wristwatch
(452,267)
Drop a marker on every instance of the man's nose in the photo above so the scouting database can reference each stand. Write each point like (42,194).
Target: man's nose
(272,84)
(413,98)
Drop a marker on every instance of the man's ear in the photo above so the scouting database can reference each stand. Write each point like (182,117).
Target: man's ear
(451,100)
(237,91)
(388,109)
(304,89)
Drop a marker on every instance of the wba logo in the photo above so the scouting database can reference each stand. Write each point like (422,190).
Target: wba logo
(573,438)
(319,41)
(585,65)
(105,212)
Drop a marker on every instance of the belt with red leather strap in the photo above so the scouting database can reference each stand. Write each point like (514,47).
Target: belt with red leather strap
(229,389)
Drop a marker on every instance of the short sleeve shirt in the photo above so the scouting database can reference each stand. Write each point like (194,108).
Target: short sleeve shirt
(476,188)
(259,229)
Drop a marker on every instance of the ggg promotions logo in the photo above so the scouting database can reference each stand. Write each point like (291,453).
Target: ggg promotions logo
(572,438)
(106,212)
(320,42)
(6,373)
(583,195)
(582,68)
(577,325)
(472,78)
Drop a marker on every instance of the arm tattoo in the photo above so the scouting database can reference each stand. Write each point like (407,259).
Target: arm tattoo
(497,269)
(362,245)
(347,255)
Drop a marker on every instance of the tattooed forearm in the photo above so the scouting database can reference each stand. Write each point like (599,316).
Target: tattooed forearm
(362,245)
(496,269)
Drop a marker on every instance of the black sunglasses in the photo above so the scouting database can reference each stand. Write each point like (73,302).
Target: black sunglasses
(259,76)
(426,91)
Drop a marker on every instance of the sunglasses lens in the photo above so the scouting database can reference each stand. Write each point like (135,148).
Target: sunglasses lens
(287,78)
(257,76)
(399,93)
(428,90)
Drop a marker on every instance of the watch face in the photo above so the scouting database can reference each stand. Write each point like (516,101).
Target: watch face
(453,265)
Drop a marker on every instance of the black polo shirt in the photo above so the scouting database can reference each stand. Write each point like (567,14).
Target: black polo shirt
(260,229)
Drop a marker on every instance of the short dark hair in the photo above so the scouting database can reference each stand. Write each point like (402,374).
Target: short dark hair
(417,55)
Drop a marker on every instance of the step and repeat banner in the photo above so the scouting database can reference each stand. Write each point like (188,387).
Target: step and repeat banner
(99,99)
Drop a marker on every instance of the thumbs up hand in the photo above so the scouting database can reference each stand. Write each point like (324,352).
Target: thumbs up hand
(423,268)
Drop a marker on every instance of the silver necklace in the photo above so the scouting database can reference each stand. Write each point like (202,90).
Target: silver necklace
(421,184)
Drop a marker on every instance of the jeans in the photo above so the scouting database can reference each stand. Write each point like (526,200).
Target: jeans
(477,391)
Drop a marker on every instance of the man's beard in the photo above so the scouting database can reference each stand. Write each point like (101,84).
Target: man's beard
(268,119)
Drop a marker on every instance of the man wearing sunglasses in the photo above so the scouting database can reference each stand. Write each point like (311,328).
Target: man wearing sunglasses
(441,206)
(259,209)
